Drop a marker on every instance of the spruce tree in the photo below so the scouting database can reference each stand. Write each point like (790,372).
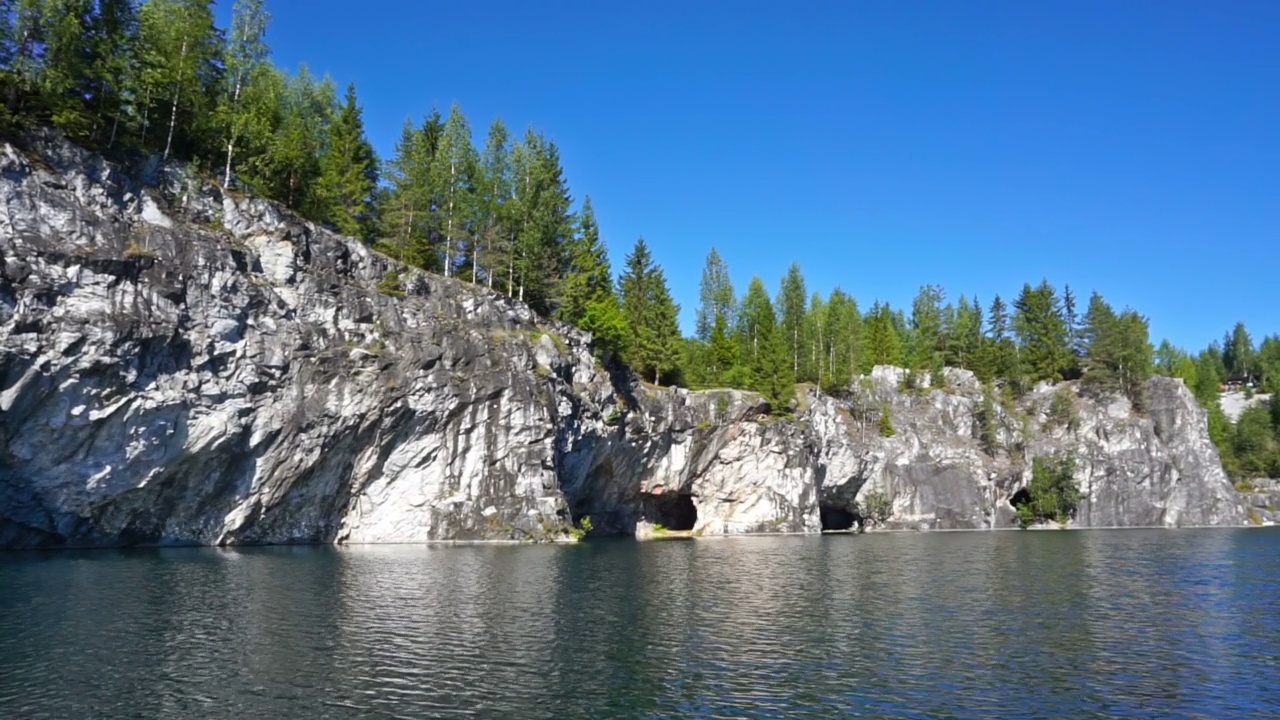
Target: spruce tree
(926,329)
(769,363)
(589,277)
(651,316)
(715,295)
(348,172)
(883,343)
(1041,328)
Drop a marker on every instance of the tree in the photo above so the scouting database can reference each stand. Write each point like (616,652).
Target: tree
(452,171)
(722,352)
(589,278)
(926,329)
(1118,354)
(244,56)
(542,223)
(1041,329)
(768,360)
(178,49)
(883,342)
(844,342)
(1238,353)
(408,206)
(654,336)
(495,188)
(348,172)
(791,304)
(715,296)
(1000,358)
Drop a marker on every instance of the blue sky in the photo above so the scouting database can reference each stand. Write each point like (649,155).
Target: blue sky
(1129,147)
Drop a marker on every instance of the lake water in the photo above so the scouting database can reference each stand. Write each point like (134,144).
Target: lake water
(941,625)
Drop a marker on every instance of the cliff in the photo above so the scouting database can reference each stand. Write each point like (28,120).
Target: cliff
(180,365)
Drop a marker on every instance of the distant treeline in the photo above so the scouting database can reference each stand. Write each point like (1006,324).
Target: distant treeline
(159,77)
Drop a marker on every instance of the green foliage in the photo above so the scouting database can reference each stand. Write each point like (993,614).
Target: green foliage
(876,509)
(792,301)
(885,426)
(986,422)
(583,528)
(348,172)
(1052,493)
(392,284)
(883,341)
(650,313)
(1041,327)
(1062,409)
(1119,357)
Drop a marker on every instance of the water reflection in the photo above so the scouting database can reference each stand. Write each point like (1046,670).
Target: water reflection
(1015,625)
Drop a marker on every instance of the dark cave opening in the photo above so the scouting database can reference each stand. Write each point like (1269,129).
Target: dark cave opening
(836,518)
(673,511)
(1020,498)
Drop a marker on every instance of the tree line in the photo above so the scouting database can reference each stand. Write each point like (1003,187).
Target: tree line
(160,78)
(768,343)
(1250,447)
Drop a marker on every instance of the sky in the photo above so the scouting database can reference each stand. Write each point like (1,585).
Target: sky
(1130,147)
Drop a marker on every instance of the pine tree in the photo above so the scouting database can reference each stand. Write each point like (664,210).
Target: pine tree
(815,327)
(884,344)
(722,352)
(1001,360)
(407,209)
(1041,329)
(348,172)
(654,336)
(589,277)
(769,362)
(926,329)
(541,219)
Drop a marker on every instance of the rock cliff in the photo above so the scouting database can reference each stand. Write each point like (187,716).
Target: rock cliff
(180,365)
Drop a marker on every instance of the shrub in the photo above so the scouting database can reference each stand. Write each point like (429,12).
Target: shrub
(580,531)
(886,421)
(391,284)
(1052,494)
(1062,409)
(876,508)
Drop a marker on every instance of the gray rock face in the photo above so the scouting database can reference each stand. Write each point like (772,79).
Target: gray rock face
(180,366)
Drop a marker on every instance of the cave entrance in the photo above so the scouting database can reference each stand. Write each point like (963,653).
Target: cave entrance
(1020,498)
(673,511)
(835,518)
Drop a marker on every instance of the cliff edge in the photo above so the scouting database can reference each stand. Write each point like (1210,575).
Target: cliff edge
(180,365)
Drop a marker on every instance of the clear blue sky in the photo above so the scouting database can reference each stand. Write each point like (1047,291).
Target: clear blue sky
(1125,146)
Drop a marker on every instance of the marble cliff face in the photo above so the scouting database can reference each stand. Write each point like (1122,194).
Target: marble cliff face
(184,366)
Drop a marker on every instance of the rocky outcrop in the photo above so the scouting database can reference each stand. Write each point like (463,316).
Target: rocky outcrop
(180,365)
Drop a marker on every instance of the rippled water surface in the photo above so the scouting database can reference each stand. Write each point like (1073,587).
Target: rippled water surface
(1009,625)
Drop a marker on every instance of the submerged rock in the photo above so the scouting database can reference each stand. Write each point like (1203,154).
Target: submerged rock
(180,365)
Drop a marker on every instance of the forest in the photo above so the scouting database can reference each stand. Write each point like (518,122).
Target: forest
(132,79)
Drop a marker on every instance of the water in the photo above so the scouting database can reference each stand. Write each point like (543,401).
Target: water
(945,625)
